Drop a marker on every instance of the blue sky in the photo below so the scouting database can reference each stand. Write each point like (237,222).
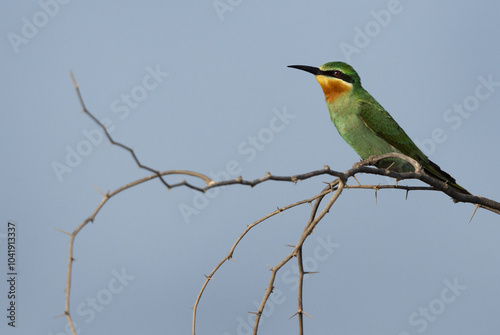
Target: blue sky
(204,86)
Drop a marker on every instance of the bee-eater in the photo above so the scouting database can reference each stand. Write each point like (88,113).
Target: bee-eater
(365,125)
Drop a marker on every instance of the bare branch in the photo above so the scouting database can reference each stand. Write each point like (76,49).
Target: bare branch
(337,186)
(206,179)
(231,251)
(307,231)
(485,203)
(300,311)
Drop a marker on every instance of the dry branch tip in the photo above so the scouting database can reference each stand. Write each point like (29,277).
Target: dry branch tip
(73,79)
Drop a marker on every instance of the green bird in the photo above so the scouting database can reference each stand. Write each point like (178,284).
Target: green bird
(365,125)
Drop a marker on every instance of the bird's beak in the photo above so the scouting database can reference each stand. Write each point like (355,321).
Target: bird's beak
(310,69)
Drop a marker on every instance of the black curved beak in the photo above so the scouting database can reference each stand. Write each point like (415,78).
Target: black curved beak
(310,69)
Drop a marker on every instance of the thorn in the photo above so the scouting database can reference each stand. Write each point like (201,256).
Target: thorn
(209,278)
(327,183)
(310,272)
(356,179)
(98,190)
(232,259)
(279,210)
(326,167)
(294,179)
(62,231)
(407,191)
(256,313)
(477,206)
(268,174)
(289,245)
(270,267)
(396,181)
(239,179)
(306,314)
(300,312)
(58,316)
(376,191)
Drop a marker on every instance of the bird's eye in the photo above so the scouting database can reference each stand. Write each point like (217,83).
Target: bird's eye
(336,73)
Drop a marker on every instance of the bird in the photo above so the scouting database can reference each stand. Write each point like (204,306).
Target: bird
(366,126)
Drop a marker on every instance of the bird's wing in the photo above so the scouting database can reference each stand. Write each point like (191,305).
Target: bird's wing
(381,123)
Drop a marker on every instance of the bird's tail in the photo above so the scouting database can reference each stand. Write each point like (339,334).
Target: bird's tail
(435,171)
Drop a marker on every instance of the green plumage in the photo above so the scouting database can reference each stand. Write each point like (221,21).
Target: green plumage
(365,125)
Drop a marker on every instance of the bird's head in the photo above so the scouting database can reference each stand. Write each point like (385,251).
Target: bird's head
(335,78)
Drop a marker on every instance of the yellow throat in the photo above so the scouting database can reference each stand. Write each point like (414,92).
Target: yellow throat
(333,87)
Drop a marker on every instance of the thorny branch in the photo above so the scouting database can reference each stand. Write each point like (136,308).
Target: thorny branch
(336,187)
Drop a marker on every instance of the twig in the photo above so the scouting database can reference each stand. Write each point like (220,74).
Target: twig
(231,251)
(206,179)
(307,230)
